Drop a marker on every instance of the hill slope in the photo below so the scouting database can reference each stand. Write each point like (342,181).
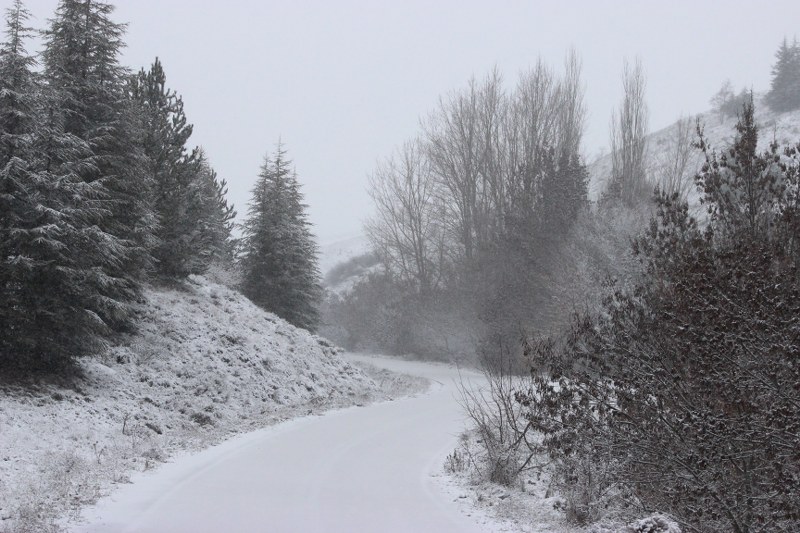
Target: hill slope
(205,363)
(720,132)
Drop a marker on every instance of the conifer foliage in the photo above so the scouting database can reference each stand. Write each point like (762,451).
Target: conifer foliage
(82,70)
(784,94)
(57,276)
(279,262)
(194,221)
(96,188)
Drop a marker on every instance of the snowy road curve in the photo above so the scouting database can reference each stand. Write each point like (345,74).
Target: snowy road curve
(364,469)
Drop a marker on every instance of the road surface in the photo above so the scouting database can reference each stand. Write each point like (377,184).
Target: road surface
(362,469)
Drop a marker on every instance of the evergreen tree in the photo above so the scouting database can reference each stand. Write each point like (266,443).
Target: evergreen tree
(215,215)
(689,376)
(17,121)
(81,60)
(784,93)
(279,263)
(181,196)
(57,286)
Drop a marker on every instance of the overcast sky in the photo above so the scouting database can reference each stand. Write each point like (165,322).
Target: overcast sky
(344,82)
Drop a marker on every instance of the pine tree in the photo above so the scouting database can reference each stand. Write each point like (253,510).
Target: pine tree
(17,119)
(279,263)
(215,215)
(173,170)
(195,221)
(784,93)
(59,293)
(82,70)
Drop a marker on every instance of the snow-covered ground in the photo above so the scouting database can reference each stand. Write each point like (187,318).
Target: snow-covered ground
(338,251)
(720,133)
(205,364)
(376,469)
(529,507)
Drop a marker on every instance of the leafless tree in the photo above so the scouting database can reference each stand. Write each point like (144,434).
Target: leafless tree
(406,230)
(572,107)
(628,143)
(673,163)
(463,148)
(722,99)
(452,148)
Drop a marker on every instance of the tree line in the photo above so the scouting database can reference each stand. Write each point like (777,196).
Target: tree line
(481,219)
(784,91)
(100,192)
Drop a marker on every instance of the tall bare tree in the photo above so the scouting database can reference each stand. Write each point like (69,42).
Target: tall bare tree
(406,230)
(673,165)
(463,146)
(629,126)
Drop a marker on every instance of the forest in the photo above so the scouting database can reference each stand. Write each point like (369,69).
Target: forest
(102,193)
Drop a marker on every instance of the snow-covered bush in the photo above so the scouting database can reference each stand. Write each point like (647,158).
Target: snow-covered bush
(686,386)
(655,524)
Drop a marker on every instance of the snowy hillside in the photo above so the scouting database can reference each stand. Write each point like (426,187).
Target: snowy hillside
(205,363)
(783,127)
(344,263)
(341,250)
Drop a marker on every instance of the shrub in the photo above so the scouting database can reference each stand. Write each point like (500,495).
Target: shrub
(686,386)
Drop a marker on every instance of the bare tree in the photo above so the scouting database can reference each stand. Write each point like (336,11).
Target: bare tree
(673,162)
(721,101)
(464,149)
(452,148)
(628,130)
(572,107)
(406,230)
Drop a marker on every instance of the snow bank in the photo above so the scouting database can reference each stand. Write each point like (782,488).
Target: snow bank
(204,364)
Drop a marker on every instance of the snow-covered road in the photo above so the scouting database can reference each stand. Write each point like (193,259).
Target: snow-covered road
(360,469)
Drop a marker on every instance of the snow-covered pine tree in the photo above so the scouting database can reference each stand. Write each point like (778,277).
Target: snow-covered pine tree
(304,278)
(215,215)
(179,198)
(82,69)
(58,295)
(279,259)
(17,118)
(784,93)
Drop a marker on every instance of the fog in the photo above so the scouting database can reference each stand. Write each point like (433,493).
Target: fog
(343,83)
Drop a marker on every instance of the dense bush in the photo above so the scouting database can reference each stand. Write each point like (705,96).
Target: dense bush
(685,389)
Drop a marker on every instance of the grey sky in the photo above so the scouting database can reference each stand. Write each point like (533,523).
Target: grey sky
(343,82)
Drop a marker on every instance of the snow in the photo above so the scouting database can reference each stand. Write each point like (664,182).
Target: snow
(720,133)
(205,364)
(373,468)
(339,251)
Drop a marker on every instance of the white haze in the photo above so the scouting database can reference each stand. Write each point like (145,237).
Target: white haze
(343,83)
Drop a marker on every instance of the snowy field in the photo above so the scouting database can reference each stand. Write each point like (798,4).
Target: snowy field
(206,364)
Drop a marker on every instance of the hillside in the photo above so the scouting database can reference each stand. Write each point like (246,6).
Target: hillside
(205,364)
(783,127)
(341,250)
